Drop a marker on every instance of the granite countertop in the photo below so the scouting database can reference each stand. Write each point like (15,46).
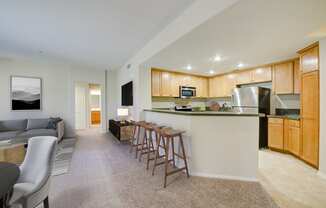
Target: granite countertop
(203,113)
(290,116)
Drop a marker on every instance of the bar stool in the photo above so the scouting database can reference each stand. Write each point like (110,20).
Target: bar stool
(135,140)
(147,146)
(169,134)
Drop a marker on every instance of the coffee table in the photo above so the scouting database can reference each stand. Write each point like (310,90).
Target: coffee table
(13,150)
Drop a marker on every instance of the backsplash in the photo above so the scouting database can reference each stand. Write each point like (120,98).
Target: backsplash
(285,102)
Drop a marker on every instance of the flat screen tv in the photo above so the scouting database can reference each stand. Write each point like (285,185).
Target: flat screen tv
(126,94)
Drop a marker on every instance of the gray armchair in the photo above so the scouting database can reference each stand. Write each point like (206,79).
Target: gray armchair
(33,184)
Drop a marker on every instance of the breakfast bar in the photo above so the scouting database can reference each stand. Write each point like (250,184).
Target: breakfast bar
(218,144)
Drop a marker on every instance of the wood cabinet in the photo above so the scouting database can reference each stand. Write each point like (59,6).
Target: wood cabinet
(309,59)
(310,117)
(243,77)
(296,77)
(166,84)
(284,135)
(261,74)
(283,78)
(294,142)
(275,133)
(229,83)
(156,83)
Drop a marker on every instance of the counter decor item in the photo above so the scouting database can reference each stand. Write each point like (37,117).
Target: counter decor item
(214,106)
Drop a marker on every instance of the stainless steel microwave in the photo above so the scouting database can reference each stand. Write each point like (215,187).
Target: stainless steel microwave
(187,92)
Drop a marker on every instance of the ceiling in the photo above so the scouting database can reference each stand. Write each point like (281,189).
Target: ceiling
(98,33)
(251,32)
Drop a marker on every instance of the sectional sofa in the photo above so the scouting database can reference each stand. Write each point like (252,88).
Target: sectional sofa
(27,128)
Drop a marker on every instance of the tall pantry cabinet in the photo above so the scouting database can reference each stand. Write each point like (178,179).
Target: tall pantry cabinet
(309,62)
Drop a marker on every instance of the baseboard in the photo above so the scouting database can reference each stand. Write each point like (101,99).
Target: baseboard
(238,178)
(321,174)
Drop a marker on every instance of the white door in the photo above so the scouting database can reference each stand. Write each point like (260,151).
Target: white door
(81,106)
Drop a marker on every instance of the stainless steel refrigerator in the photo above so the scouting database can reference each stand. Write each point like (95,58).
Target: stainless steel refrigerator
(254,100)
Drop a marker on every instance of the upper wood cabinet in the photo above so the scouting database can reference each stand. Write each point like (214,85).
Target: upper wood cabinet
(309,59)
(275,133)
(201,84)
(166,84)
(310,117)
(243,77)
(283,78)
(229,82)
(156,83)
(296,77)
(261,74)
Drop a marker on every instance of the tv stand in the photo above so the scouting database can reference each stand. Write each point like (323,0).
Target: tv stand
(123,131)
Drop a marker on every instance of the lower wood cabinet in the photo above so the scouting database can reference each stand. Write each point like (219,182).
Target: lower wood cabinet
(275,133)
(284,135)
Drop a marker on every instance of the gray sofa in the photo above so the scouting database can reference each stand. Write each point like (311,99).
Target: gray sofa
(27,128)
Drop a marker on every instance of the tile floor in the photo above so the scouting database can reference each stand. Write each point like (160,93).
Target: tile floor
(291,182)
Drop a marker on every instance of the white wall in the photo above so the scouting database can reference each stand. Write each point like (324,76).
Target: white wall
(58,88)
(322,143)
(196,14)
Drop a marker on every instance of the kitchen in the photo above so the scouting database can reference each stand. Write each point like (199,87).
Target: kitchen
(273,107)
(278,54)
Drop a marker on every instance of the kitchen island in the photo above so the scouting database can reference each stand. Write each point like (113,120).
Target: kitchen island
(218,144)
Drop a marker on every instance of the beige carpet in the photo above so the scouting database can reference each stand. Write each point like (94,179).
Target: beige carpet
(104,174)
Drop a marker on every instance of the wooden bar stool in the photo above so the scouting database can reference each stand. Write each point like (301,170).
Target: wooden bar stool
(168,135)
(135,140)
(156,130)
(147,146)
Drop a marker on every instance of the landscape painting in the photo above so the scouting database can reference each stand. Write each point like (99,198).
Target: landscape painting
(25,93)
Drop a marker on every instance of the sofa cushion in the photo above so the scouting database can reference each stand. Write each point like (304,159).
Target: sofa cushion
(9,134)
(13,125)
(37,123)
(38,132)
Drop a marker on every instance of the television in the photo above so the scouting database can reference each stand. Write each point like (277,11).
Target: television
(127,94)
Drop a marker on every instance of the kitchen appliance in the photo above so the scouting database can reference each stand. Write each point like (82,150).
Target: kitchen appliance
(183,108)
(187,92)
(254,100)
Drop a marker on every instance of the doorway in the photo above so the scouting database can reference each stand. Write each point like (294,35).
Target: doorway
(88,107)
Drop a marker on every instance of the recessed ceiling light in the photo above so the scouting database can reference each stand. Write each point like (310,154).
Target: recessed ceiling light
(211,72)
(217,58)
(189,67)
(240,65)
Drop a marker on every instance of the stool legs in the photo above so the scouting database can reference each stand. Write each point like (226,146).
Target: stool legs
(166,161)
(184,155)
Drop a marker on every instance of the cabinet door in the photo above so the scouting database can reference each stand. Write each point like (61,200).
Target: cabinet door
(243,77)
(156,83)
(296,77)
(283,78)
(310,60)
(212,87)
(294,139)
(286,135)
(166,84)
(229,82)
(275,134)
(262,74)
(220,86)
(175,84)
(310,117)
(204,85)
